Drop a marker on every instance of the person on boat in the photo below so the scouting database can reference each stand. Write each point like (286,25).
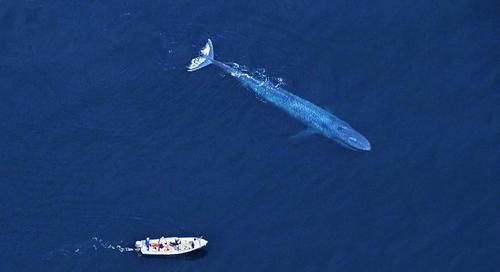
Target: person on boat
(147,243)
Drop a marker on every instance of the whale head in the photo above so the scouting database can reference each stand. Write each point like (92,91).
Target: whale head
(345,135)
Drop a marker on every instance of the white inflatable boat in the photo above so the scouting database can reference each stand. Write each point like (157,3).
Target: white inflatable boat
(169,245)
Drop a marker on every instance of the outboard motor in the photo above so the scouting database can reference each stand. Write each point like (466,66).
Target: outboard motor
(138,245)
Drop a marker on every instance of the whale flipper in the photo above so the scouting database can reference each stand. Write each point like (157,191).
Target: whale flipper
(305,133)
(206,57)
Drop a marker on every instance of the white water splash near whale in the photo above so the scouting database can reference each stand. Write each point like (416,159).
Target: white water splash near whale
(260,74)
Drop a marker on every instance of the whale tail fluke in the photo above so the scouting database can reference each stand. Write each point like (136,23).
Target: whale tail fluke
(206,57)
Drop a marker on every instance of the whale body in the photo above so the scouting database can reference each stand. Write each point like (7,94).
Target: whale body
(317,119)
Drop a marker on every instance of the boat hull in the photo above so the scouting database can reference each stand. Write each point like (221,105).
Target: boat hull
(170,245)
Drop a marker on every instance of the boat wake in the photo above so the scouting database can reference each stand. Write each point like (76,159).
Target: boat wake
(109,245)
(90,246)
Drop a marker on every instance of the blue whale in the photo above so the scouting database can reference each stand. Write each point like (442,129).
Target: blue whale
(315,118)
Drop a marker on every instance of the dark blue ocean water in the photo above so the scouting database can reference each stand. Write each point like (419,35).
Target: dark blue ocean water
(106,139)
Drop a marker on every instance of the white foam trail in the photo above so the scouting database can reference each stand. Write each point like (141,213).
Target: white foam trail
(109,245)
(259,74)
(87,247)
